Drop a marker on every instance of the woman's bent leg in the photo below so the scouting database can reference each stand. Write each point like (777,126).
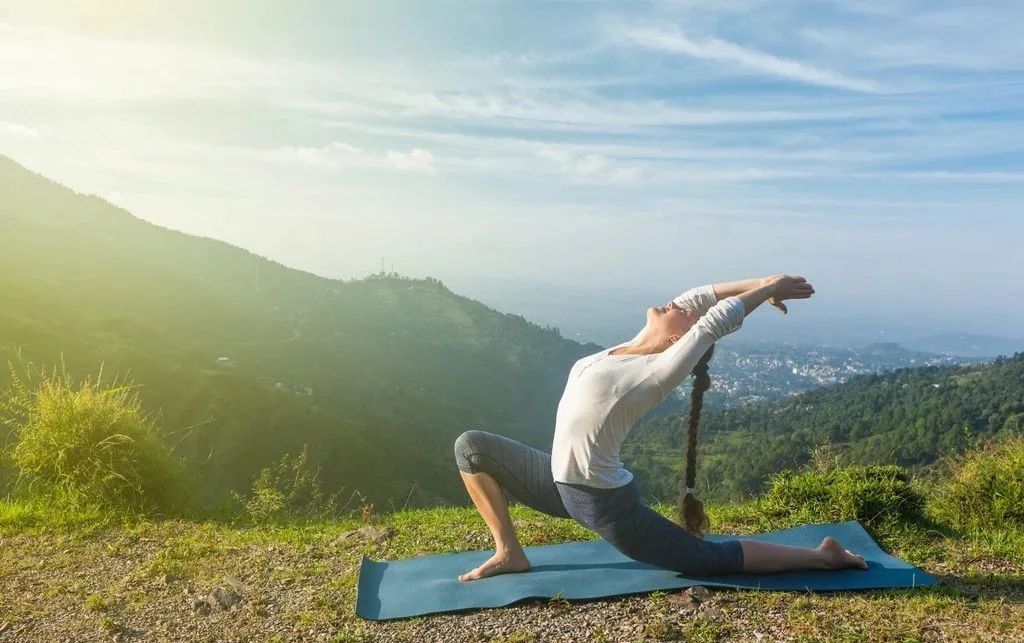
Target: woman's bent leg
(490,463)
(490,502)
(520,469)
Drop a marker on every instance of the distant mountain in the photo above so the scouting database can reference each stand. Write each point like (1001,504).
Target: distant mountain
(247,359)
(908,416)
(967,345)
(884,348)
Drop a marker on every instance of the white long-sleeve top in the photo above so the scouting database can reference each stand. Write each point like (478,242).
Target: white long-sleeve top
(606,394)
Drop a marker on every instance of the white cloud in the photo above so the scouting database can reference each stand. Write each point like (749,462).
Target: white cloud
(942,176)
(337,155)
(590,167)
(711,48)
(415,160)
(17,130)
(331,156)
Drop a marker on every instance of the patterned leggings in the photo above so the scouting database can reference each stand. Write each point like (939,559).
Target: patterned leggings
(617,515)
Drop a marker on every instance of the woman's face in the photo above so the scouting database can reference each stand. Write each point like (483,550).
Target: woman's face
(669,322)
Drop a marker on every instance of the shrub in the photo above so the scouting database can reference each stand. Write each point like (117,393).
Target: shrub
(830,492)
(89,444)
(288,490)
(984,488)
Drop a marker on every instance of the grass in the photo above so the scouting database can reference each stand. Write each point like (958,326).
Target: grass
(78,443)
(96,603)
(984,490)
(983,594)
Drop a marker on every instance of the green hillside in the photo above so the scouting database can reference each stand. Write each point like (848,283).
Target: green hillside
(910,417)
(377,376)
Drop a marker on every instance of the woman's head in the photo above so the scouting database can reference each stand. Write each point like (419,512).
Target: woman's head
(666,324)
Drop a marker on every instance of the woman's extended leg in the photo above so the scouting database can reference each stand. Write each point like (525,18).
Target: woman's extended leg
(490,463)
(643,534)
(765,558)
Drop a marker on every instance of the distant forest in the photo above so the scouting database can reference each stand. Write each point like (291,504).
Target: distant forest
(912,417)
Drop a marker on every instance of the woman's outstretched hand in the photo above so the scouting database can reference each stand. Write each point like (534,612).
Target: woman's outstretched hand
(787,287)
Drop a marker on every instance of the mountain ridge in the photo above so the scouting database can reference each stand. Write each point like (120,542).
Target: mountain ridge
(395,366)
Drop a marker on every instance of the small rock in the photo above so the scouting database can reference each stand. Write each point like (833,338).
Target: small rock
(690,599)
(223,598)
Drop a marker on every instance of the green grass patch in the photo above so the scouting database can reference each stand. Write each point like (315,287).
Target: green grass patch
(984,489)
(873,495)
(87,443)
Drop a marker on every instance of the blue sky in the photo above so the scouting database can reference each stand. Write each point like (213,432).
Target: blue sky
(613,148)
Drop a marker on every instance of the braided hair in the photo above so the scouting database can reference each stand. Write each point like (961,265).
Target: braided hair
(691,509)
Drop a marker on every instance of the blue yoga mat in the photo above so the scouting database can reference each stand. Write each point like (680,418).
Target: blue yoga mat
(594,569)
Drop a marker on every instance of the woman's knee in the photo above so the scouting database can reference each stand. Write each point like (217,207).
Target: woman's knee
(467,446)
(704,558)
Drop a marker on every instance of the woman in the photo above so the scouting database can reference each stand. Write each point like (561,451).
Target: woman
(584,479)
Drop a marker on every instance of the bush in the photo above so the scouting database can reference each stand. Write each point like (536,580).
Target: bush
(830,492)
(984,488)
(87,445)
(288,490)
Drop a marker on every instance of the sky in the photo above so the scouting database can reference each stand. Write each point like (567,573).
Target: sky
(588,154)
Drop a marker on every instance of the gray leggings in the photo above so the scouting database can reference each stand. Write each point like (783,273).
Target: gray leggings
(617,515)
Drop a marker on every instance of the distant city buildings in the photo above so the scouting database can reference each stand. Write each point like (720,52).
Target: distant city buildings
(756,375)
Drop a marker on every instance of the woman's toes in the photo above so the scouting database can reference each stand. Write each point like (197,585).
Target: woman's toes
(858,560)
(836,557)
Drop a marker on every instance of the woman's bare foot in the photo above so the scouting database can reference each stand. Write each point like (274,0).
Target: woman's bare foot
(502,562)
(835,557)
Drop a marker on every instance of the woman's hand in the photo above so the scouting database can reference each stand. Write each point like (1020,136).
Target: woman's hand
(787,287)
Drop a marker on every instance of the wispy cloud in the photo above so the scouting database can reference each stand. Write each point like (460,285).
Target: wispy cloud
(338,155)
(18,130)
(415,160)
(590,167)
(712,48)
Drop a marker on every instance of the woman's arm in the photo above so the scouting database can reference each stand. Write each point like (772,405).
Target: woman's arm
(673,364)
(699,299)
(733,288)
(756,296)
(776,289)
(702,298)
